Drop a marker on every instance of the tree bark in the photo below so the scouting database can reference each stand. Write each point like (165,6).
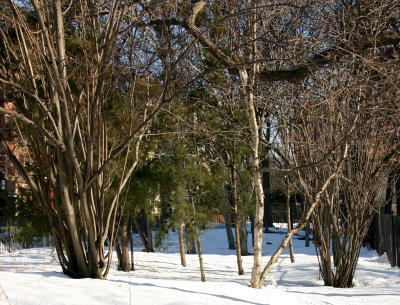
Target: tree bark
(228,228)
(248,82)
(182,245)
(149,247)
(131,242)
(235,214)
(289,219)
(254,164)
(124,262)
(307,235)
(118,251)
(198,241)
(266,179)
(140,232)
(190,241)
(244,251)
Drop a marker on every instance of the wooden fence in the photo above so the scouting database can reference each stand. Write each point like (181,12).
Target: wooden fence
(384,236)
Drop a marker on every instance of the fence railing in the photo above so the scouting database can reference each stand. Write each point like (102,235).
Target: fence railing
(385,237)
(280,221)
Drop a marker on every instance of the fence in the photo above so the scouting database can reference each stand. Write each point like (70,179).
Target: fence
(278,212)
(385,237)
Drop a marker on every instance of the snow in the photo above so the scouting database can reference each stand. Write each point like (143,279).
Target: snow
(33,276)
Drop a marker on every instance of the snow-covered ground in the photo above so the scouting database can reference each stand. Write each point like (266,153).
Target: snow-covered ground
(33,276)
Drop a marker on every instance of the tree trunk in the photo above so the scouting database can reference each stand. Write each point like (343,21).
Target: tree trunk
(228,228)
(307,235)
(257,181)
(190,242)
(243,236)
(198,242)
(149,236)
(322,241)
(182,245)
(118,251)
(202,273)
(268,220)
(343,243)
(289,219)
(131,242)
(325,266)
(307,216)
(278,252)
(140,232)
(235,216)
(247,82)
(124,262)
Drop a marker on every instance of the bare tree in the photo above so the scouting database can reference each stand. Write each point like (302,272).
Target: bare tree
(62,68)
(59,111)
(263,44)
(341,222)
(273,42)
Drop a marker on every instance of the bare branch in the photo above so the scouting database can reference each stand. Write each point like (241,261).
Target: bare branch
(33,124)
(330,56)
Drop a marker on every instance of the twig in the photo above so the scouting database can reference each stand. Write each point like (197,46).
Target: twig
(3,293)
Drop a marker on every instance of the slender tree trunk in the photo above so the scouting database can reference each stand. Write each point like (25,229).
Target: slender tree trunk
(131,243)
(243,236)
(75,245)
(236,216)
(149,235)
(301,226)
(228,228)
(198,242)
(247,82)
(257,181)
(190,244)
(124,263)
(118,250)
(182,245)
(278,252)
(268,220)
(289,220)
(140,232)
(325,266)
(307,234)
